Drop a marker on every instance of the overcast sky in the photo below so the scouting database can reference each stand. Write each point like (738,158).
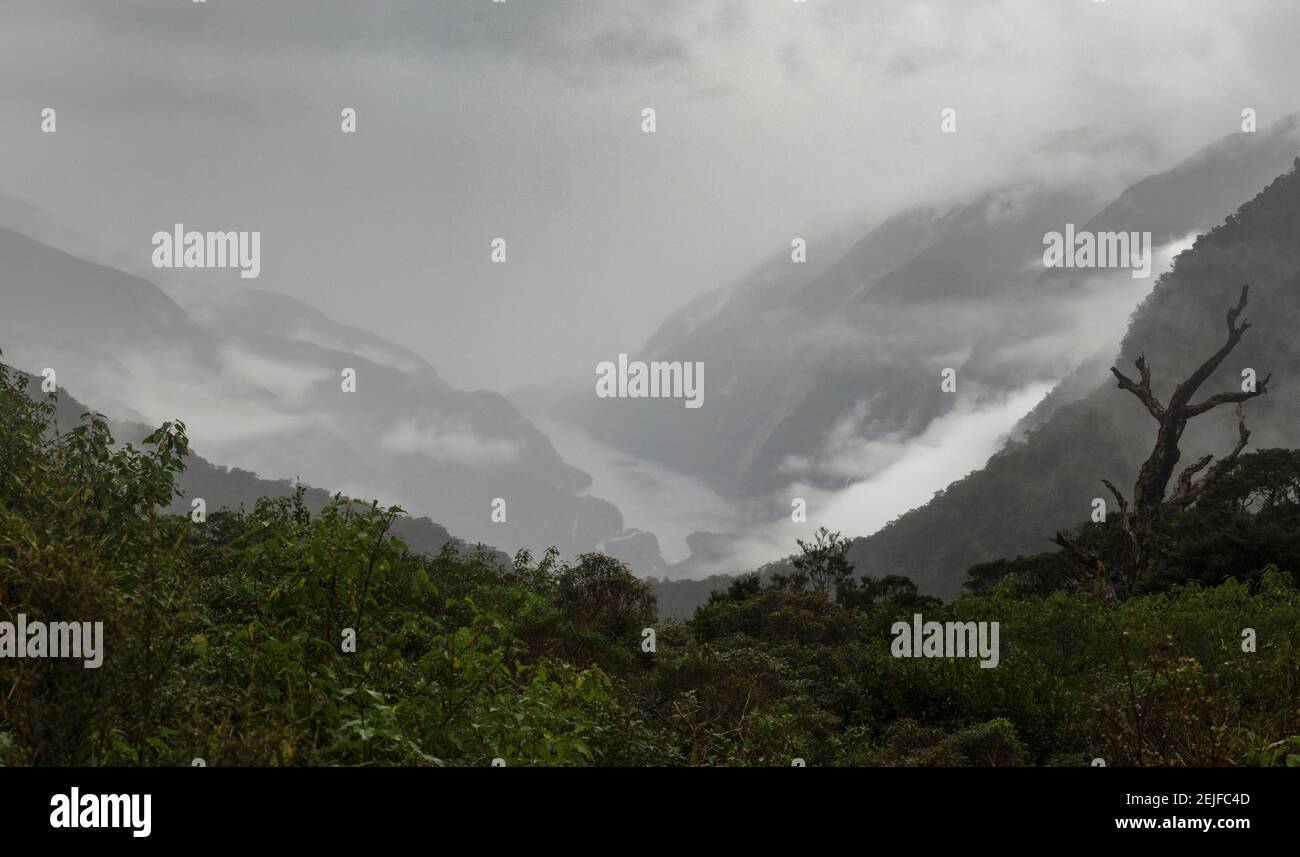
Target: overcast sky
(522,120)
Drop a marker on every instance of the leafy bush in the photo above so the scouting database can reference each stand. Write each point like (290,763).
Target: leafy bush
(228,640)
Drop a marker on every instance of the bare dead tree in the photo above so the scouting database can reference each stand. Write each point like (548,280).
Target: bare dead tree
(1149,492)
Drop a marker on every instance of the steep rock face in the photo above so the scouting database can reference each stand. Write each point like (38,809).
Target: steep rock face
(1047,480)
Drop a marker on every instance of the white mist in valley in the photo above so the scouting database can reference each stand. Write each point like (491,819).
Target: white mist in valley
(950,447)
(889,475)
(652,497)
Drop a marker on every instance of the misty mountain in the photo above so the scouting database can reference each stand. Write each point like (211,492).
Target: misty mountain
(258,379)
(793,349)
(798,357)
(1047,479)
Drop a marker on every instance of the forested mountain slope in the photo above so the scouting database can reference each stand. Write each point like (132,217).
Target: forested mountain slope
(1047,479)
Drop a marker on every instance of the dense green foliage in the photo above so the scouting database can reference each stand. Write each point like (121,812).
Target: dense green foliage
(225,640)
(1247,519)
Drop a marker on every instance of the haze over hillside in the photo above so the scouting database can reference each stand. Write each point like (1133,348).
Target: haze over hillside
(259,382)
(461,384)
(922,152)
(824,378)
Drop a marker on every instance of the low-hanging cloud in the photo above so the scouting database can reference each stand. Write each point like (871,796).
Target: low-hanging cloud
(887,475)
(521,119)
(448,442)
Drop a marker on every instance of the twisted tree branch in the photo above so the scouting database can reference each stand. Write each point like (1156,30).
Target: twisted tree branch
(1225,398)
(1141,389)
(1183,394)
